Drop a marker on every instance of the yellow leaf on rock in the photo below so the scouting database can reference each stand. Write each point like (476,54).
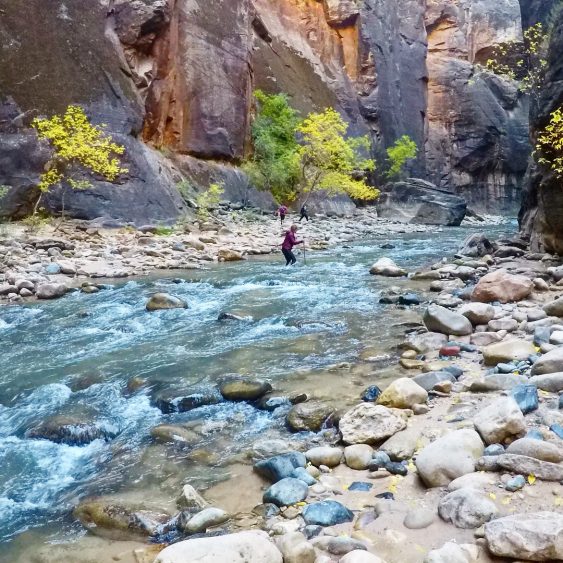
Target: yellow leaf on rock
(531,478)
(493,496)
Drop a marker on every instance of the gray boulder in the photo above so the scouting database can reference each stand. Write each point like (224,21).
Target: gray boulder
(50,290)
(420,202)
(286,492)
(552,382)
(524,465)
(500,420)
(387,268)
(369,424)
(466,508)
(551,362)
(554,308)
(538,449)
(440,319)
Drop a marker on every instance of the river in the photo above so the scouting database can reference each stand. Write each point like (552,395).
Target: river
(309,328)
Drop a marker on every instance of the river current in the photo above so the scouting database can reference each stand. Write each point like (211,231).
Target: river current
(74,356)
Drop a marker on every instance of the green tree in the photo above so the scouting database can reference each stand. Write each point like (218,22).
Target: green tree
(403,150)
(523,62)
(331,162)
(77,147)
(274,166)
(209,199)
(549,144)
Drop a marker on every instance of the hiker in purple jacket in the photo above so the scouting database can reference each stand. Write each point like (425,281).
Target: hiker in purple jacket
(289,242)
(282,212)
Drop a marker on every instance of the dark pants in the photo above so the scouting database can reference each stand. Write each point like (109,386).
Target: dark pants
(289,257)
(282,218)
(304,215)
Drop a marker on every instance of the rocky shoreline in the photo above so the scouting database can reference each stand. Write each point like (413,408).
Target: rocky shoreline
(47,264)
(459,459)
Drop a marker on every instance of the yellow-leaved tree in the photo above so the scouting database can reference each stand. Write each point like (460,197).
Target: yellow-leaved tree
(549,144)
(78,147)
(331,162)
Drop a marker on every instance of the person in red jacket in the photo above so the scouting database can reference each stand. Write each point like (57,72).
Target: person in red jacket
(289,242)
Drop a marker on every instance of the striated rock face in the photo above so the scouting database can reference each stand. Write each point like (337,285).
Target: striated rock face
(541,216)
(178,76)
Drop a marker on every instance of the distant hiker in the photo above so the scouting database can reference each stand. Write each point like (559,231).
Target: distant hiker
(282,212)
(304,213)
(289,242)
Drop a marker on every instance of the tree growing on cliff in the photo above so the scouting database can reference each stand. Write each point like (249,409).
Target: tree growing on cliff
(403,150)
(331,162)
(77,147)
(209,199)
(549,144)
(523,62)
(274,166)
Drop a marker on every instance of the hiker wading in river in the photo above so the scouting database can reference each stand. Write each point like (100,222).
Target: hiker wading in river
(289,242)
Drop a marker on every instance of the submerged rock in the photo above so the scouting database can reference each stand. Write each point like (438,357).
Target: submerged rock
(170,400)
(160,301)
(174,434)
(69,430)
(387,267)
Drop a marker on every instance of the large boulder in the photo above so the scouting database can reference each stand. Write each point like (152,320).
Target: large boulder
(524,465)
(386,267)
(552,362)
(245,547)
(403,393)
(69,430)
(50,290)
(244,389)
(500,420)
(503,352)
(370,424)
(536,536)
(502,286)
(476,246)
(538,449)
(420,202)
(466,508)
(440,319)
(449,457)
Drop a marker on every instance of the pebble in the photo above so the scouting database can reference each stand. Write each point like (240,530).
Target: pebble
(515,484)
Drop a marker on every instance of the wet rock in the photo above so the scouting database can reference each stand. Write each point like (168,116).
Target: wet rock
(286,492)
(478,313)
(309,416)
(419,518)
(500,420)
(244,547)
(525,465)
(386,267)
(244,389)
(502,286)
(324,455)
(452,552)
(516,350)
(50,290)
(466,508)
(270,403)
(295,548)
(69,430)
(429,380)
(476,246)
(358,456)
(409,299)
(281,466)
(190,498)
(552,382)
(402,445)
(326,513)
(370,394)
(526,396)
(369,424)
(160,301)
(207,518)
(449,457)
(531,536)
(230,317)
(170,400)
(115,521)
(228,255)
(440,319)
(403,393)
(552,362)
(174,434)
(554,308)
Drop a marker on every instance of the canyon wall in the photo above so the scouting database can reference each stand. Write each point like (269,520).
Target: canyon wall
(173,80)
(541,216)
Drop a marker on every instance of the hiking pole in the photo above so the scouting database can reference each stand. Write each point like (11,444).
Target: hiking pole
(304,254)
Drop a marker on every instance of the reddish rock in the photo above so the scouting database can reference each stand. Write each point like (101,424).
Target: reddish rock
(450,351)
(502,286)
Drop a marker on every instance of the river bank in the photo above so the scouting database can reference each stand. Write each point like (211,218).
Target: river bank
(56,258)
(392,343)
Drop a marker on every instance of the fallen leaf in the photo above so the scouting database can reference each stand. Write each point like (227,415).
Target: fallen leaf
(531,478)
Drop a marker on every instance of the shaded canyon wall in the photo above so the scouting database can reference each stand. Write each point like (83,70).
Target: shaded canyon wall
(173,79)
